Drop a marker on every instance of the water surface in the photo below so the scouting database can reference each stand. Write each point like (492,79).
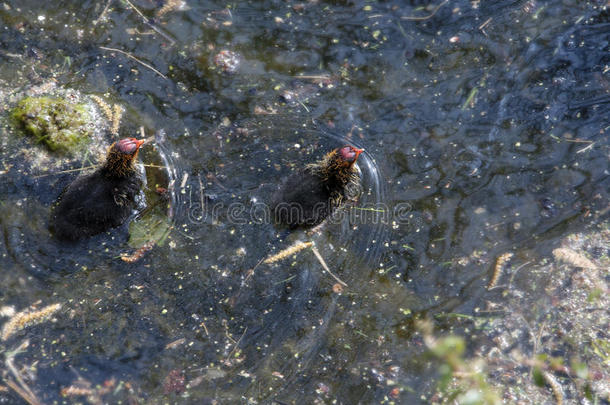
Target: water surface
(485,129)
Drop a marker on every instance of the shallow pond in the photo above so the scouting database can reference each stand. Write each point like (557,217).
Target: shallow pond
(485,129)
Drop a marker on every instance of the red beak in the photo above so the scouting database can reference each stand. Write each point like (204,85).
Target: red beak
(358,152)
(139,142)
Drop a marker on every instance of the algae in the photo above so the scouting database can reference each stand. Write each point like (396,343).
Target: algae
(55,122)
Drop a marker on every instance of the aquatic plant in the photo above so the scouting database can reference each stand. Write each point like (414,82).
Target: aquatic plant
(61,125)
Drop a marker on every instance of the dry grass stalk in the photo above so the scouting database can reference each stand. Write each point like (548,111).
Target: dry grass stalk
(117,114)
(147,22)
(30,398)
(20,387)
(130,56)
(103,16)
(425,17)
(574,258)
(170,5)
(27,318)
(73,391)
(289,251)
(103,106)
(80,169)
(555,387)
(113,114)
(498,268)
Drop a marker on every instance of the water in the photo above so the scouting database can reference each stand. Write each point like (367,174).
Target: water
(485,129)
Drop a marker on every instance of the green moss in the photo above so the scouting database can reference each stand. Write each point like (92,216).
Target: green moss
(55,122)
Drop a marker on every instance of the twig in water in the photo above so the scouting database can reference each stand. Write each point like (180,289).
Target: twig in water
(323,263)
(251,271)
(103,15)
(577,140)
(65,171)
(470,98)
(205,328)
(146,21)
(22,389)
(313,77)
(304,106)
(585,148)
(32,400)
(426,17)
(134,58)
(201,201)
(482,26)
(237,343)
(512,277)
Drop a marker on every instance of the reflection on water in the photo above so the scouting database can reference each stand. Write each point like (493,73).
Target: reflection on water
(484,129)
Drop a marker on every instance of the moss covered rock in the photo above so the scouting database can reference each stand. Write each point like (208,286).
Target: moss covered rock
(57,123)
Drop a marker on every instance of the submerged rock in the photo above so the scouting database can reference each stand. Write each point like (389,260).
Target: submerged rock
(59,124)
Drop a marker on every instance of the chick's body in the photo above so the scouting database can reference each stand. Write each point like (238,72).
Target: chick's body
(101,200)
(310,195)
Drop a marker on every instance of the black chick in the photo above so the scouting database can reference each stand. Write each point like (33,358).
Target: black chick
(101,200)
(310,195)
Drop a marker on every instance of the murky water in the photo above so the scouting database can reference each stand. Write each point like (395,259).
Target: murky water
(485,129)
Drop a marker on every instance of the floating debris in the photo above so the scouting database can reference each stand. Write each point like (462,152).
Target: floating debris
(228,61)
(574,258)
(289,251)
(130,56)
(73,391)
(83,387)
(174,382)
(27,318)
(139,253)
(498,269)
